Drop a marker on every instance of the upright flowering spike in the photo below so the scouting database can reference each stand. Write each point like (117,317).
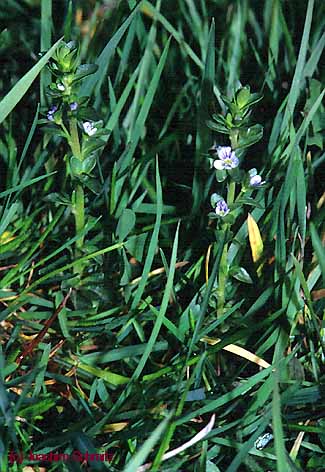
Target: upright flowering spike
(221,208)
(89,128)
(227,159)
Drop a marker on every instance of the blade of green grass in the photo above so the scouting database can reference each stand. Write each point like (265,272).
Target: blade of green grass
(143,72)
(247,446)
(126,158)
(96,80)
(301,197)
(85,258)
(171,30)
(108,376)
(142,116)
(23,185)
(127,50)
(147,446)
(13,97)
(11,278)
(46,36)
(319,249)
(120,353)
(7,217)
(274,40)
(226,398)
(203,136)
(33,248)
(68,22)
(163,307)
(152,245)
(235,50)
(41,368)
(29,139)
(172,427)
(307,120)
(296,81)
(162,311)
(113,119)
(316,54)
(279,446)
(207,294)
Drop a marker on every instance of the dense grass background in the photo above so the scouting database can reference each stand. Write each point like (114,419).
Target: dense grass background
(130,362)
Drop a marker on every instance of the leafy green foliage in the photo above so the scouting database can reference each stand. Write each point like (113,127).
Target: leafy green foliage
(113,336)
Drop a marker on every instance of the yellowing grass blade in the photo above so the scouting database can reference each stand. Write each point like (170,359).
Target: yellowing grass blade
(239,351)
(113,427)
(207,260)
(295,448)
(255,239)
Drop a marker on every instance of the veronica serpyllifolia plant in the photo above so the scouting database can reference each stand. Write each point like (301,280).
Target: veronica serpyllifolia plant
(71,117)
(226,161)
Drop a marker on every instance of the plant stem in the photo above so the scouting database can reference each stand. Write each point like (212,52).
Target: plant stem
(79,204)
(79,214)
(231,193)
(223,270)
(74,142)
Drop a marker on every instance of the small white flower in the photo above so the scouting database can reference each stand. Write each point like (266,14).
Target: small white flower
(227,159)
(89,128)
(221,208)
(60,87)
(256,181)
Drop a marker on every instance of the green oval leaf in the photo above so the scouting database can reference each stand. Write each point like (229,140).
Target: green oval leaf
(125,224)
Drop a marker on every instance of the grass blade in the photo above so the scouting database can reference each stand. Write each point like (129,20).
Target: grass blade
(147,446)
(13,97)
(280,451)
(46,35)
(104,58)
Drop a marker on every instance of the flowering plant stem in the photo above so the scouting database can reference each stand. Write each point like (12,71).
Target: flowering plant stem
(79,203)
(223,270)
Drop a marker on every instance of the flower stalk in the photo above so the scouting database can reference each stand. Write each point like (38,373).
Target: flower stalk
(241,135)
(79,204)
(71,117)
(223,270)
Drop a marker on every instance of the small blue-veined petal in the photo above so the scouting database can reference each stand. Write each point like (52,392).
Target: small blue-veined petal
(224,152)
(89,128)
(232,161)
(51,112)
(229,162)
(256,181)
(221,208)
(227,158)
(73,106)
